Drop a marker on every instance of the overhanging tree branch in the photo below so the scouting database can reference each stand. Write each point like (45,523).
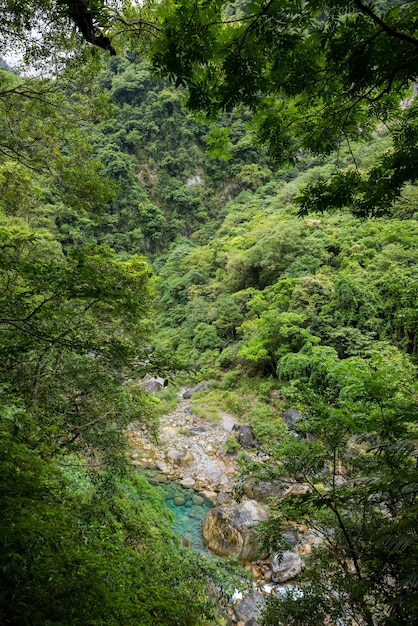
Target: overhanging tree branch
(388,29)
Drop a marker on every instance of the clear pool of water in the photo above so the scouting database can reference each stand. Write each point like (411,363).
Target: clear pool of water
(188,505)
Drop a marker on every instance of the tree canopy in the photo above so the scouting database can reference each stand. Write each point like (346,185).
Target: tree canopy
(315,75)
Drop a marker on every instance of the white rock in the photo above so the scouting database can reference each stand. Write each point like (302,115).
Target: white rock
(287,567)
(295,592)
(237,595)
(194,180)
(188,482)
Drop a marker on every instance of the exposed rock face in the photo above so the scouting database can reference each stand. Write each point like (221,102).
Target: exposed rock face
(203,385)
(194,180)
(229,530)
(286,568)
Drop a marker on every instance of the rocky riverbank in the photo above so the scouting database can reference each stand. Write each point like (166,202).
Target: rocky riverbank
(193,451)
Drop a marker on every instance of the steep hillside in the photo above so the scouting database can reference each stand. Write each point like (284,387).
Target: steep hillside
(315,314)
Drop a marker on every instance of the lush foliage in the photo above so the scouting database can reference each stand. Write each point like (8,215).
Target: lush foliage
(317,314)
(278,309)
(316,74)
(82,538)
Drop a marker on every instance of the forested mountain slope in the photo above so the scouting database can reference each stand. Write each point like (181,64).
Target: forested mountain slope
(316,313)
(281,311)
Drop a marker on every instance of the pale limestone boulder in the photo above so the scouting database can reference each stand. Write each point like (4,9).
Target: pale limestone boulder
(230,530)
(180,457)
(166,434)
(188,482)
(209,495)
(287,567)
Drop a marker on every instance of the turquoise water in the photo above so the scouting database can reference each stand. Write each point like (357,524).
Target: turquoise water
(188,505)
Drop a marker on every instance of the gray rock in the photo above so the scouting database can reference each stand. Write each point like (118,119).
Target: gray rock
(245,436)
(290,536)
(287,567)
(250,607)
(264,490)
(292,417)
(188,393)
(197,430)
(180,457)
(224,498)
(168,433)
(153,384)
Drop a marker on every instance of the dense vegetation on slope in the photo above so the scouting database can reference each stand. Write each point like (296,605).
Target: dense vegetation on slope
(318,314)
(82,538)
(315,313)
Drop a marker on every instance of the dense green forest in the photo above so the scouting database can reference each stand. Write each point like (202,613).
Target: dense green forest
(208,191)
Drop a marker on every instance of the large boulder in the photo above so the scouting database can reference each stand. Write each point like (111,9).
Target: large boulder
(249,609)
(180,457)
(286,567)
(230,530)
(245,436)
(188,393)
(263,490)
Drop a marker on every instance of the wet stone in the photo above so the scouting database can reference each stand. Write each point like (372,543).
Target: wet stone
(196,511)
